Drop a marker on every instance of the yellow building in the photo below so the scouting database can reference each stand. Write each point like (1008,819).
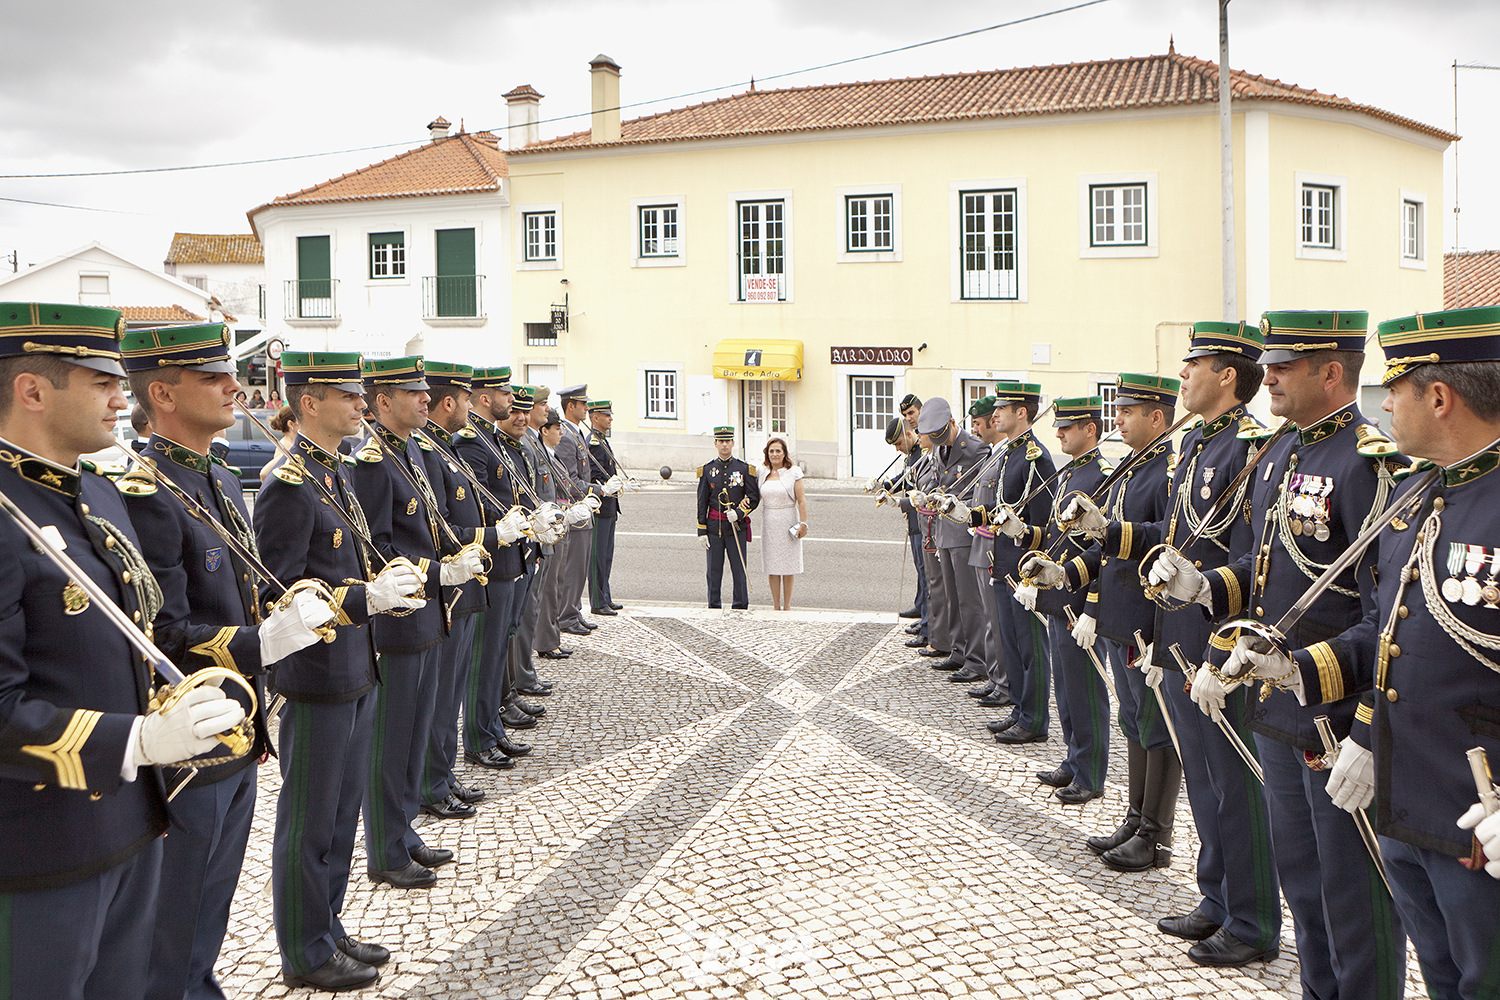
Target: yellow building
(794,261)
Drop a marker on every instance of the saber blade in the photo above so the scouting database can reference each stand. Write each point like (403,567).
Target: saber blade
(1361,818)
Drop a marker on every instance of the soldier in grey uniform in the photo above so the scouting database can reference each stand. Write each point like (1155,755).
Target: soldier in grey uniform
(955,450)
(995,690)
(573,455)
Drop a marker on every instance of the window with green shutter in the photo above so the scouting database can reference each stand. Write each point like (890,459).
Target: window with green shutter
(457,284)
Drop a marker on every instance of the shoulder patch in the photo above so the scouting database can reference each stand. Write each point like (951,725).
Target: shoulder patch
(135,484)
(466,432)
(1373,443)
(422,443)
(1033,451)
(369,453)
(288,473)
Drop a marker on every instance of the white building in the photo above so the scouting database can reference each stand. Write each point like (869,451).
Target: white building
(95,275)
(229,267)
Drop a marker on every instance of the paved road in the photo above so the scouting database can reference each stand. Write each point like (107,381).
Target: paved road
(854,555)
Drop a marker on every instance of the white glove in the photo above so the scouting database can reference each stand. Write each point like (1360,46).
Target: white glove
(733,514)
(508,528)
(548,513)
(1246,662)
(1007,522)
(393,586)
(958,509)
(1181,579)
(461,568)
(1487,832)
(1085,516)
(593,503)
(1083,631)
(704,540)
(550,535)
(1351,783)
(871,483)
(613,485)
(289,629)
(1044,571)
(189,728)
(1208,694)
(578,513)
(1026,597)
(917,498)
(1152,671)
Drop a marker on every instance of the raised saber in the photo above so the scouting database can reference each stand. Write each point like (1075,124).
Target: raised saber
(1102,490)
(504,459)
(1361,818)
(1225,726)
(468,473)
(1161,699)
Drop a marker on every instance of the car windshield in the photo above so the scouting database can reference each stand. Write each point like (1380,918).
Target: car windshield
(246,430)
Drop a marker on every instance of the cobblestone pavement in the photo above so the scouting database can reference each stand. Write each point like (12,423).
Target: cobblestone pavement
(757,805)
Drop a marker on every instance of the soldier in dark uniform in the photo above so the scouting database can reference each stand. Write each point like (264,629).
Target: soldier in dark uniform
(1425,659)
(727,493)
(1082,699)
(391,482)
(1019,529)
(323,743)
(84,812)
(184,379)
(900,435)
(1310,497)
(519,436)
(606,474)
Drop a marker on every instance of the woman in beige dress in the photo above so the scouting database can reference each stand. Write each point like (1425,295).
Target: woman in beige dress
(784,521)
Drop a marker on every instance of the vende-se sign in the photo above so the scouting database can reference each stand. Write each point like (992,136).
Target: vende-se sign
(871,356)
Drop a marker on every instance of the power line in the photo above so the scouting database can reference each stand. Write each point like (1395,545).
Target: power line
(80,208)
(549,121)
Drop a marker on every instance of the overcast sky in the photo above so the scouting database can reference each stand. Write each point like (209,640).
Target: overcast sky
(97,85)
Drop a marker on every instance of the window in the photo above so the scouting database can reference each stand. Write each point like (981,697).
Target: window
(1413,234)
(93,284)
(198,281)
(1321,211)
(387,255)
(540,335)
(1118,215)
(762,251)
(975,390)
(867,223)
(1107,391)
(540,229)
(989,244)
(779,422)
(1317,218)
(661,395)
(873,402)
(658,231)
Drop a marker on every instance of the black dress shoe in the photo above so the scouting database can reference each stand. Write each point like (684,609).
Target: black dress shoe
(1057,778)
(965,676)
(604,611)
(588,624)
(450,808)
(1020,734)
(1076,794)
(535,711)
(913,630)
(409,876)
(554,654)
(934,652)
(910,613)
(949,664)
(364,951)
(336,975)
(539,691)
(467,794)
(431,857)
(982,692)
(916,643)
(616,607)
(997,700)
(491,758)
(1223,950)
(514,718)
(576,630)
(1000,725)
(1188,926)
(512,749)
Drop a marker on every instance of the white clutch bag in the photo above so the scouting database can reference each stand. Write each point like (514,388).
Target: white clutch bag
(792,531)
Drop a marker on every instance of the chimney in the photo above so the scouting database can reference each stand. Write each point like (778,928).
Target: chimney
(438,127)
(606,99)
(525,107)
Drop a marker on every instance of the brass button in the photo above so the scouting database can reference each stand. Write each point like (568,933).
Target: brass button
(1395,650)
(84,507)
(147,630)
(125,576)
(1266,549)
(38,786)
(1390,694)
(1436,504)
(109,541)
(244,576)
(1198,563)
(95,796)
(1402,611)
(136,616)
(1260,612)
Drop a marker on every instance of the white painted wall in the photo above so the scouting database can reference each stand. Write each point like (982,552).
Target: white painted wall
(129,283)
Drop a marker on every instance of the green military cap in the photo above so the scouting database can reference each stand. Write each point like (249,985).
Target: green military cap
(524,397)
(443,373)
(491,378)
(1209,337)
(723,433)
(600,406)
(395,373)
(340,370)
(1437,338)
(85,335)
(1305,331)
(201,348)
(1070,411)
(1131,390)
(982,407)
(1011,393)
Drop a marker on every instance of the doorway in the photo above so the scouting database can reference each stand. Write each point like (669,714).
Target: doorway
(872,404)
(766,411)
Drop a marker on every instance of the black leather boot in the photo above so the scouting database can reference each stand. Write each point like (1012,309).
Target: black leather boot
(1151,847)
(1135,756)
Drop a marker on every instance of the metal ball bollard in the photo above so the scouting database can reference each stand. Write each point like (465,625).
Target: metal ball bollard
(666,472)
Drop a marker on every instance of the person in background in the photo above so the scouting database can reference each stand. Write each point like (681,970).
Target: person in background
(285,424)
(784,509)
(257,400)
(273,401)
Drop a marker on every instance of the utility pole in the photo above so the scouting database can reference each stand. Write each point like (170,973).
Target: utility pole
(1226,173)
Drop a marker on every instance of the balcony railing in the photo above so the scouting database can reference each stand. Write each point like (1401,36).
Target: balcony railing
(452,296)
(313,299)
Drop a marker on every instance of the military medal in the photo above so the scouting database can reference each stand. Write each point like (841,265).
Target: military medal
(1452,589)
(1208,476)
(338,537)
(75,601)
(460,494)
(411,508)
(328,481)
(1490,592)
(1476,558)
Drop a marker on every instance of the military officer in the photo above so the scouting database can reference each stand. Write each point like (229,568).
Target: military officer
(727,493)
(606,473)
(900,435)
(1082,699)
(390,480)
(1315,490)
(572,454)
(1022,507)
(184,379)
(982,548)
(954,451)
(84,810)
(520,438)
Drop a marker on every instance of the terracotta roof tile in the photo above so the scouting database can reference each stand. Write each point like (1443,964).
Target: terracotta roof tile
(1471,278)
(159,314)
(213,248)
(1108,85)
(459,164)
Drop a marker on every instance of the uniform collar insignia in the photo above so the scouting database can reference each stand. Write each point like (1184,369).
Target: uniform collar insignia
(1229,419)
(39,470)
(182,455)
(1472,468)
(1018,439)
(508,439)
(1092,455)
(433,430)
(482,422)
(389,437)
(1329,425)
(316,453)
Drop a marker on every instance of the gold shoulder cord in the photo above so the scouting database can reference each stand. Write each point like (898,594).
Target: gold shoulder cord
(147,592)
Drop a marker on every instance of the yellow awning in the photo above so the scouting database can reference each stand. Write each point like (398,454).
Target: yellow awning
(780,360)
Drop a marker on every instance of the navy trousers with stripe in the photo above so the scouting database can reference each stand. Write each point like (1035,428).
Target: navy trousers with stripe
(603,562)
(1140,713)
(404,702)
(1082,707)
(453,684)
(1453,917)
(486,680)
(1027,670)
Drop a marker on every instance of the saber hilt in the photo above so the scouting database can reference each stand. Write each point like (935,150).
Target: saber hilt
(1225,727)
(1361,818)
(1484,783)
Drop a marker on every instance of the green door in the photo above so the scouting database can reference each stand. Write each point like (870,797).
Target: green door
(314,277)
(457,284)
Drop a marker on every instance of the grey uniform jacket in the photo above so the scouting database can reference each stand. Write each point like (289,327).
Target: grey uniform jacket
(542,480)
(960,457)
(572,455)
(982,546)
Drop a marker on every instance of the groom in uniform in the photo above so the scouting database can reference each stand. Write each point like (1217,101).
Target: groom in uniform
(727,492)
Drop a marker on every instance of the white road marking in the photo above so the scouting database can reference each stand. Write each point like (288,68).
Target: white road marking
(682,534)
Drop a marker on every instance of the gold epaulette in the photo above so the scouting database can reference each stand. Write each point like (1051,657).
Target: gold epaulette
(88,466)
(136,483)
(1252,429)
(467,432)
(423,443)
(370,452)
(1033,451)
(698,472)
(346,459)
(1373,443)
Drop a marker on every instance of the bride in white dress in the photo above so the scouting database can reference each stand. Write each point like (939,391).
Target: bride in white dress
(784,521)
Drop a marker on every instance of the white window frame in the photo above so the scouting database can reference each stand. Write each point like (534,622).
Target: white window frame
(678,259)
(783,195)
(1086,184)
(841,223)
(521,214)
(402,279)
(668,392)
(956,191)
(1340,185)
(644,419)
(1417,200)
(84,276)
(1106,388)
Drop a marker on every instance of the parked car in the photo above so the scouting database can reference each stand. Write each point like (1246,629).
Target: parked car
(245,448)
